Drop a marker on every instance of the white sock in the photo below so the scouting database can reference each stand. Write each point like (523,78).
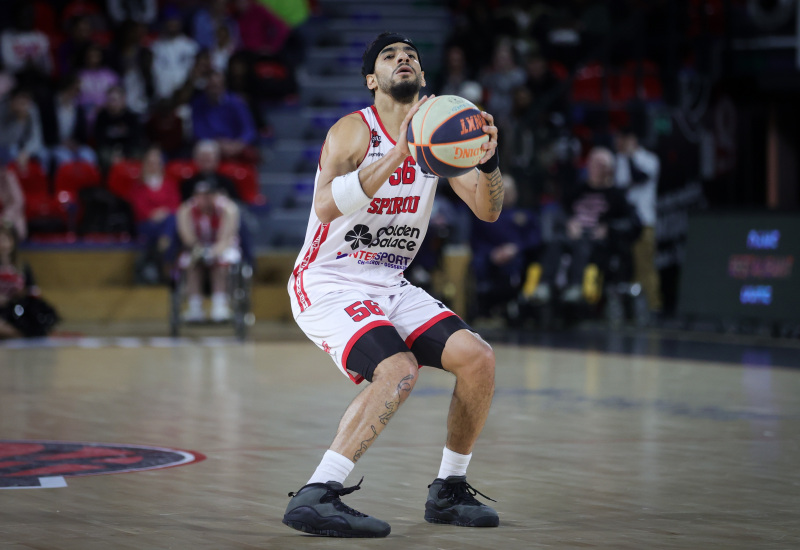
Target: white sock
(453,464)
(334,467)
(219,298)
(196,302)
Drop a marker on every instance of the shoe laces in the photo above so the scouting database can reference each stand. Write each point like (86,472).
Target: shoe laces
(461,492)
(334,497)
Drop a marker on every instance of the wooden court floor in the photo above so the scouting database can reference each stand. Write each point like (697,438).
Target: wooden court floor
(582,449)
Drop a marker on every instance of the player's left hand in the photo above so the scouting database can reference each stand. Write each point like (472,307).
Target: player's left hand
(491,145)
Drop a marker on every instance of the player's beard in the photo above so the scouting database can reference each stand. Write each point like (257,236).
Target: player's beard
(404,91)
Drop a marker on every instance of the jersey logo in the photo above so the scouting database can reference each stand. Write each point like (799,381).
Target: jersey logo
(375,138)
(358,235)
(393,205)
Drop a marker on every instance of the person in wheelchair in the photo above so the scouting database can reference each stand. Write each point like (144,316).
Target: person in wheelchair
(599,224)
(208,228)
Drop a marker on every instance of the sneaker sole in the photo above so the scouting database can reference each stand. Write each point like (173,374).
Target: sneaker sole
(304,527)
(445,517)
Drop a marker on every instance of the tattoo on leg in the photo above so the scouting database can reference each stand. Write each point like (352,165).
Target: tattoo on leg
(365,444)
(403,386)
(496,190)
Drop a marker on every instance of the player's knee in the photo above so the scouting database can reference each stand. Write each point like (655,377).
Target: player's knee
(479,363)
(400,369)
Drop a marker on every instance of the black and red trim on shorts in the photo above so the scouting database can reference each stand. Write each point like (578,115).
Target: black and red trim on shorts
(379,340)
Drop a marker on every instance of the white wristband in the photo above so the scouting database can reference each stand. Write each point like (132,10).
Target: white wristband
(348,194)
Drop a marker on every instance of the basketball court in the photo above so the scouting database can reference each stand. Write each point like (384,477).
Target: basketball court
(605,440)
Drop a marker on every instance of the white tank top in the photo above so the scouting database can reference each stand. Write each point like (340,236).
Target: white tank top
(372,247)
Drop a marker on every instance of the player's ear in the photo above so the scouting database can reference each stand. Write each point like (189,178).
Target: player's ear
(372,82)
(422,78)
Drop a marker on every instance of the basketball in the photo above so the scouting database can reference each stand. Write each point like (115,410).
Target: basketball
(445,136)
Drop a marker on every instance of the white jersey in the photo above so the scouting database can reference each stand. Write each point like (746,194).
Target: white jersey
(372,247)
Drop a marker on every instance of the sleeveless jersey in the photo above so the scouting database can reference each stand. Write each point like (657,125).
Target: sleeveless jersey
(206,224)
(373,246)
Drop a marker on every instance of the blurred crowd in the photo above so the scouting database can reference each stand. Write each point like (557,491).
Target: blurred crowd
(569,84)
(135,119)
(87,87)
(117,114)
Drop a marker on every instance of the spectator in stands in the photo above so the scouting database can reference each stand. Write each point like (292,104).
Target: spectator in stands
(155,199)
(96,78)
(456,74)
(117,131)
(7,82)
(637,171)
(225,118)
(17,287)
(165,128)
(208,228)
(499,83)
(241,81)
(209,20)
(25,49)
(543,84)
(65,125)
(134,63)
(70,53)
(599,221)
(261,31)
(173,54)
(20,128)
(501,251)
(139,11)
(12,202)
(207,160)
(223,48)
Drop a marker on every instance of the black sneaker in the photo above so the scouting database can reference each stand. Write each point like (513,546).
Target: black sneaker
(317,509)
(453,501)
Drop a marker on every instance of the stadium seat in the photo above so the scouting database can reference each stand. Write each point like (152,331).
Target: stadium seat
(622,87)
(245,178)
(559,70)
(123,176)
(180,170)
(39,202)
(33,179)
(587,84)
(71,177)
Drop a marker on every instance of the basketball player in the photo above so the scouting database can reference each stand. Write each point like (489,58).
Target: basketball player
(371,209)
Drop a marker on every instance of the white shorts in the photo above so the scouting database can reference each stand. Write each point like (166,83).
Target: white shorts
(358,330)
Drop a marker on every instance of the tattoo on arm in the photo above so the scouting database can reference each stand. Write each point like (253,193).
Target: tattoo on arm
(496,190)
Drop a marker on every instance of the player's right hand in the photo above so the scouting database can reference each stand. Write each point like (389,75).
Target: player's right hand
(402,139)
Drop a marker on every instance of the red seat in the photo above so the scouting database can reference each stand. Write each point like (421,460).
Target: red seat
(123,176)
(622,87)
(587,84)
(180,170)
(71,177)
(559,70)
(245,178)
(650,88)
(39,203)
(32,180)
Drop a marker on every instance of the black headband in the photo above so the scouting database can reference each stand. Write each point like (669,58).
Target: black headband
(370,55)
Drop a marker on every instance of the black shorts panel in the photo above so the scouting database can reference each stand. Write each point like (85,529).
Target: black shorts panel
(371,348)
(429,346)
